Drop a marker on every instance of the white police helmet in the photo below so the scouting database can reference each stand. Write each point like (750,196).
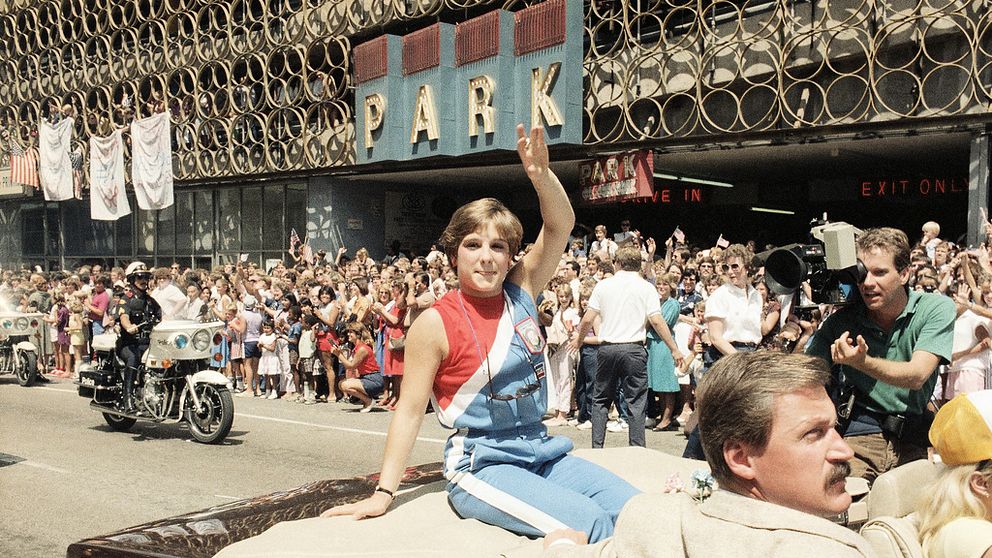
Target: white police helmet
(137,270)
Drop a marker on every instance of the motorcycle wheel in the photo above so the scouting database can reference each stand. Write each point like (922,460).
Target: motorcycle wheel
(119,423)
(28,370)
(211,423)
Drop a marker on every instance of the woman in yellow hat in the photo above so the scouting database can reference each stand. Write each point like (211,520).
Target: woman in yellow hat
(956,519)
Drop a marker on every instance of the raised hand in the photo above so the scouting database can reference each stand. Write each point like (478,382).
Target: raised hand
(533,152)
(851,352)
(964,292)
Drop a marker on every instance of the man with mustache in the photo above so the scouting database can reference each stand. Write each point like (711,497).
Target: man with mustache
(884,351)
(768,432)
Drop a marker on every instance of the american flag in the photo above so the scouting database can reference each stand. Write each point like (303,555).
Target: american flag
(23,165)
(722,242)
(294,241)
(76,159)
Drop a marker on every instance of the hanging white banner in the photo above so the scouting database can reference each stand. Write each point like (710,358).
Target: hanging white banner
(151,161)
(54,166)
(108,201)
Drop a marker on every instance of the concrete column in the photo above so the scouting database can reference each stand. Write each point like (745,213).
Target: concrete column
(978,188)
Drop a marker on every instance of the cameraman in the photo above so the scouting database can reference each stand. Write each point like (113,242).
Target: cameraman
(885,351)
(139,312)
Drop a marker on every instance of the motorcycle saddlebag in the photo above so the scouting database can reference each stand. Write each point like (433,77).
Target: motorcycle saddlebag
(91,380)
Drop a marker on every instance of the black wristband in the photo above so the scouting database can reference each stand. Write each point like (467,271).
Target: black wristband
(384,491)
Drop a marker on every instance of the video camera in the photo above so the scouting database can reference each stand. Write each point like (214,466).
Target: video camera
(830,264)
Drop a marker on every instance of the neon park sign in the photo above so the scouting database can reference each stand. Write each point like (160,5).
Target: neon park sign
(617,177)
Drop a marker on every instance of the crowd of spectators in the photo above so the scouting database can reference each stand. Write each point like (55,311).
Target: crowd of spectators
(317,329)
(290,331)
(327,327)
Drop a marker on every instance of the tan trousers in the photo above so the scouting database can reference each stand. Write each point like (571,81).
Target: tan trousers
(875,454)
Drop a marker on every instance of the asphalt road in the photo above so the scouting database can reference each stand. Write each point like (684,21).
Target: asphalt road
(65,476)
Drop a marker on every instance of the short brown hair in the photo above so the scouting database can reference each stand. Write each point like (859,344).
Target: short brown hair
(360,330)
(739,251)
(668,279)
(628,257)
(362,283)
(887,239)
(400,284)
(470,217)
(736,399)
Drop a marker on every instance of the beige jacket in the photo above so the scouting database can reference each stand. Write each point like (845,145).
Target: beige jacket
(727,524)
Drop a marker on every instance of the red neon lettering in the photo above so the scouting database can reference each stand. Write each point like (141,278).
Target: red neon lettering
(938,185)
(696,195)
(954,185)
(866,189)
(666,196)
(925,187)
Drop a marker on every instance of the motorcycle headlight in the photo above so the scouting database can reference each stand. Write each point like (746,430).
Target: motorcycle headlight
(181,341)
(22,323)
(201,340)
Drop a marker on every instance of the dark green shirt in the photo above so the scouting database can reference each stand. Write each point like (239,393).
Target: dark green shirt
(926,324)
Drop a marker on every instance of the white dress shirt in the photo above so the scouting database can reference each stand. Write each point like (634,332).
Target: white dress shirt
(740,311)
(624,302)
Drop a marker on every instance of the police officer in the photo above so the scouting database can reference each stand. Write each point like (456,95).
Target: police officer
(138,314)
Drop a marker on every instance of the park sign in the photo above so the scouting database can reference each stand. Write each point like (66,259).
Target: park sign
(617,177)
(459,89)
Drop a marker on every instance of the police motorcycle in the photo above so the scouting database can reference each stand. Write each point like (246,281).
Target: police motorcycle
(22,338)
(171,382)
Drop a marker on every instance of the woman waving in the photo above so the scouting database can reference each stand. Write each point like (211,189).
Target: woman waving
(478,355)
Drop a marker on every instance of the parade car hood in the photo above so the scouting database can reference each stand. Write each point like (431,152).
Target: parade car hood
(204,533)
(421,521)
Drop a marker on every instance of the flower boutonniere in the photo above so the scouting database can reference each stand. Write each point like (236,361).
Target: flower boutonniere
(701,485)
